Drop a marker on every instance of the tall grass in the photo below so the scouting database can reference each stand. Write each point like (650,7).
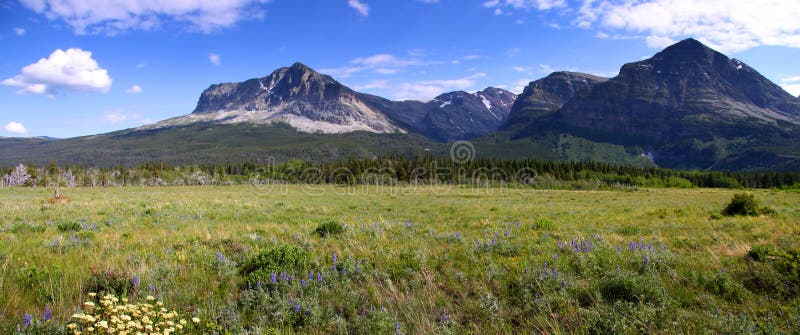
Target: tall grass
(411,261)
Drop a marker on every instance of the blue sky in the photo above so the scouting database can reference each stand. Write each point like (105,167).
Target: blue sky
(81,67)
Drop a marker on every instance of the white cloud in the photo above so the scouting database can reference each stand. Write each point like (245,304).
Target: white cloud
(135,89)
(520,85)
(74,69)
(19,31)
(120,115)
(525,4)
(214,59)
(429,89)
(359,6)
(15,127)
(380,63)
(791,85)
(729,26)
(110,17)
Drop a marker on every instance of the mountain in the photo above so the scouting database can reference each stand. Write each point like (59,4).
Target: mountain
(297,95)
(546,96)
(313,102)
(453,116)
(688,107)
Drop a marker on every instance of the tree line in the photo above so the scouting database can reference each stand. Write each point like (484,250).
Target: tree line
(395,171)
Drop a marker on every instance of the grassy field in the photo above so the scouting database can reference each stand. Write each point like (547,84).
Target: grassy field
(410,260)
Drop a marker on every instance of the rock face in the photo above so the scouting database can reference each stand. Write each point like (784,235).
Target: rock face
(461,115)
(451,116)
(689,106)
(313,102)
(685,90)
(546,96)
(297,95)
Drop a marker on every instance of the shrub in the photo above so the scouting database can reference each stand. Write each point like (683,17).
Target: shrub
(69,226)
(630,287)
(543,224)
(745,204)
(329,227)
(109,281)
(273,260)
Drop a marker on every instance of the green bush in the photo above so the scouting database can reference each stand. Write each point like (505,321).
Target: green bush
(66,226)
(630,287)
(274,260)
(543,224)
(109,281)
(745,204)
(329,227)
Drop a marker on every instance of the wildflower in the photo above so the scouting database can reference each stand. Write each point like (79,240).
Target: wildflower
(555,257)
(47,315)
(646,260)
(296,308)
(284,277)
(221,258)
(135,281)
(458,235)
(27,320)
(563,283)
(319,277)
(632,245)
(273,278)
(195,320)
(397,328)
(409,224)
(555,272)
(303,282)
(311,275)
(334,258)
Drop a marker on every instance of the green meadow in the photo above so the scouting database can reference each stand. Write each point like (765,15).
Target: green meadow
(405,260)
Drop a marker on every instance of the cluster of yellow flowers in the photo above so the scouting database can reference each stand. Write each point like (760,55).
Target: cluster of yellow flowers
(109,316)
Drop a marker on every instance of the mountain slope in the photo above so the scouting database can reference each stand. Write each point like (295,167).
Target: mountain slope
(546,96)
(306,100)
(451,116)
(689,106)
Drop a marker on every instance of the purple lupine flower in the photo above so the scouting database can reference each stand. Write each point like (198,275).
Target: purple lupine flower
(284,277)
(334,258)
(646,260)
(296,237)
(343,271)
(409,224)
(619,248)
(303,282)
(494,242)
(563,283)
(273,278)
(555,257)
(507,233)
(297,308)
(319,277)
(555,272)
(458,235)
(221,257)
(397,328)
(632,245)
(27,320)
(135,281)
(47,315)
(310,275)
(545,265)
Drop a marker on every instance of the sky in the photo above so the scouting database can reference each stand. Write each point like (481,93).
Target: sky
(81,67)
